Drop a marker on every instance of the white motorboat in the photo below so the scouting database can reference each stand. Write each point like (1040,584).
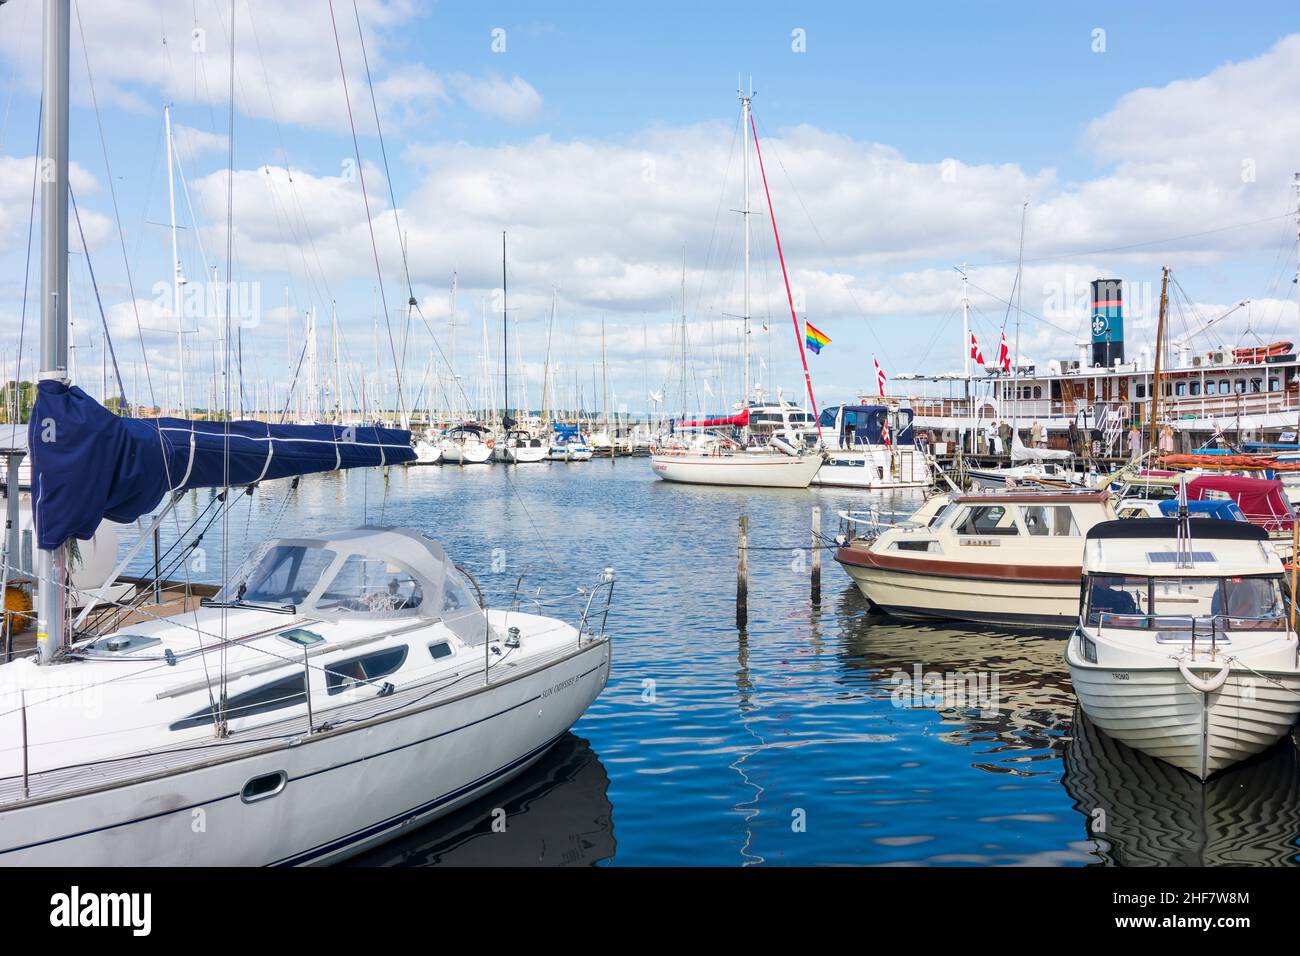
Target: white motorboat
(567,444)
(467,444)
(726,462)
(1000,558)
(1047,467)
(521,447)
(872,446)
(338,691)
(1183,648)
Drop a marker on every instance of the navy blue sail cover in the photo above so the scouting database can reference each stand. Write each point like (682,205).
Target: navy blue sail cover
(89,464)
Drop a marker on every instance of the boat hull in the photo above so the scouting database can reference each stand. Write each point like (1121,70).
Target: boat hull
(346,789)
(470,453)
(521,454)
(1016,595)
(1155,710)
(561,453)
(874,469)
(744,470)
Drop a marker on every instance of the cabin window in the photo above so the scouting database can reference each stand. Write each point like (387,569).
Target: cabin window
(1140,390)
(1038,391)
(1239,387)
(1253,603)
(916,546)
(1180,389)
(1056,521)
(1274,385)
(348,674)
(286,692)
(985,519)
(1122,599)
(285,574)
(1257,385)
(440,650)
(368,585)
(827,417)
(1195,388)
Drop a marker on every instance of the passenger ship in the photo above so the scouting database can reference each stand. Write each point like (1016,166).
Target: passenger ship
(1249,393)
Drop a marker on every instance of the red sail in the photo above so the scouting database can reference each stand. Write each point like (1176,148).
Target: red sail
(739,420)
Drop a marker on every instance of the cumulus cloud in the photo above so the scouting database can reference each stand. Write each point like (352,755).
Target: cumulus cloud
(514,100)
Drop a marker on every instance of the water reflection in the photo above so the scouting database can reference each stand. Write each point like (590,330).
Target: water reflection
(1140,811)
(557,813)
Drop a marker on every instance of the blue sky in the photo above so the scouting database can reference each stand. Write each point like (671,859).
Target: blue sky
(902,142)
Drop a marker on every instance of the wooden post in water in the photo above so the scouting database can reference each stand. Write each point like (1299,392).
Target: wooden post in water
(816,555)
(742,573)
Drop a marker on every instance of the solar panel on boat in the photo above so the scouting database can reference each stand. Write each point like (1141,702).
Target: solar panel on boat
(1171,557)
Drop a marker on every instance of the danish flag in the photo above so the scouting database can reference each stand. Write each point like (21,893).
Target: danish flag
(1004,355)
(975,352)
(880,376)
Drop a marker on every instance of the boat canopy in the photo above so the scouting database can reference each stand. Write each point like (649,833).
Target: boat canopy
(366,573)
(1021,452)
(1222,510)
(865,424)
(1263,500)
(89,464)
(1209,529)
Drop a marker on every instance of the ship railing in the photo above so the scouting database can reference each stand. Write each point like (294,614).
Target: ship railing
(869,523)
(1190,628)
(586,627)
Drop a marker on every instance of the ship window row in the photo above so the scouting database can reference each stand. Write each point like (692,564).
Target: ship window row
(1247,602)
(1220,387)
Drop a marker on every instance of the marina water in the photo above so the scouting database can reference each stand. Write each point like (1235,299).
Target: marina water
(821,734)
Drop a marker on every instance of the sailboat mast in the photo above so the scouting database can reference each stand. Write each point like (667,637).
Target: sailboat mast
(744,119)
(505,339)
(1157,390)
(176,260)
(52,565)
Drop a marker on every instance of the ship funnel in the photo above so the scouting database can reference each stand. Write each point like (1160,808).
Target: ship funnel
(1107,322)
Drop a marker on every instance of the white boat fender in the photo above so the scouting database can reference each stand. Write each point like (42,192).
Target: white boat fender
(1205,686)
(783,445)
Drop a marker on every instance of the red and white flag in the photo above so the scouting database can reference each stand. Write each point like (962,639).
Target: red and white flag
(880,376)
(1004,355)
(975,352)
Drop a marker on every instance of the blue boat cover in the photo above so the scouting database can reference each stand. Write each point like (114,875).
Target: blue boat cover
(89,464)
(1222,510)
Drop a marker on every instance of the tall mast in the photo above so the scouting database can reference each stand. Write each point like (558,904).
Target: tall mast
(1015,362)
(546,367)
(965,321)
(338,395)
(176,260)
(505,339)
(1160,349)
(744,119)
(52,565)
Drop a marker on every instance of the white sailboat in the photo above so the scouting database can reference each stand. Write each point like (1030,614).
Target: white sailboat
(339,688)
(707,455)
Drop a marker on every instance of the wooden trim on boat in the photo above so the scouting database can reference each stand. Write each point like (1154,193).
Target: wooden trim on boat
(1019,573)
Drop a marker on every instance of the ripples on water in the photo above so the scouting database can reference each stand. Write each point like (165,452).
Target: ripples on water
(782,743)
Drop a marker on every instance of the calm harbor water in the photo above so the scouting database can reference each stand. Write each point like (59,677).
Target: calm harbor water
(806,738)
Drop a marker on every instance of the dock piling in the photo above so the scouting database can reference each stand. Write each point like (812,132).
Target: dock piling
(742,573)
(816,555)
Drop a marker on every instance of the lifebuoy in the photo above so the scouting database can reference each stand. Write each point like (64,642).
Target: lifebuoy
(491,443)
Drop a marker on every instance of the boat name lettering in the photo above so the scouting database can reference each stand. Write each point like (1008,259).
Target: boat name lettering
(560,686)
(981,542)
(1119,675)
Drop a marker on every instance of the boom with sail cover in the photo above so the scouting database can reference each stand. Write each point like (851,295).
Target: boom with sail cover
(89,464)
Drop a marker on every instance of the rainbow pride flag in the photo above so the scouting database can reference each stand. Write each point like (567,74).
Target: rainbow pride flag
(814,338)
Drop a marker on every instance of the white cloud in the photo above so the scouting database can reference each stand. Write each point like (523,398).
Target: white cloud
(514,100)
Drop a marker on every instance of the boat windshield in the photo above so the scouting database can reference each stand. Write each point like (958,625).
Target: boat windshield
(283,574)
(1246,602)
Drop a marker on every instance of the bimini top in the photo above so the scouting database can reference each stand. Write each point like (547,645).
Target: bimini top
(89,464)
(1201,529)
(368,572)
